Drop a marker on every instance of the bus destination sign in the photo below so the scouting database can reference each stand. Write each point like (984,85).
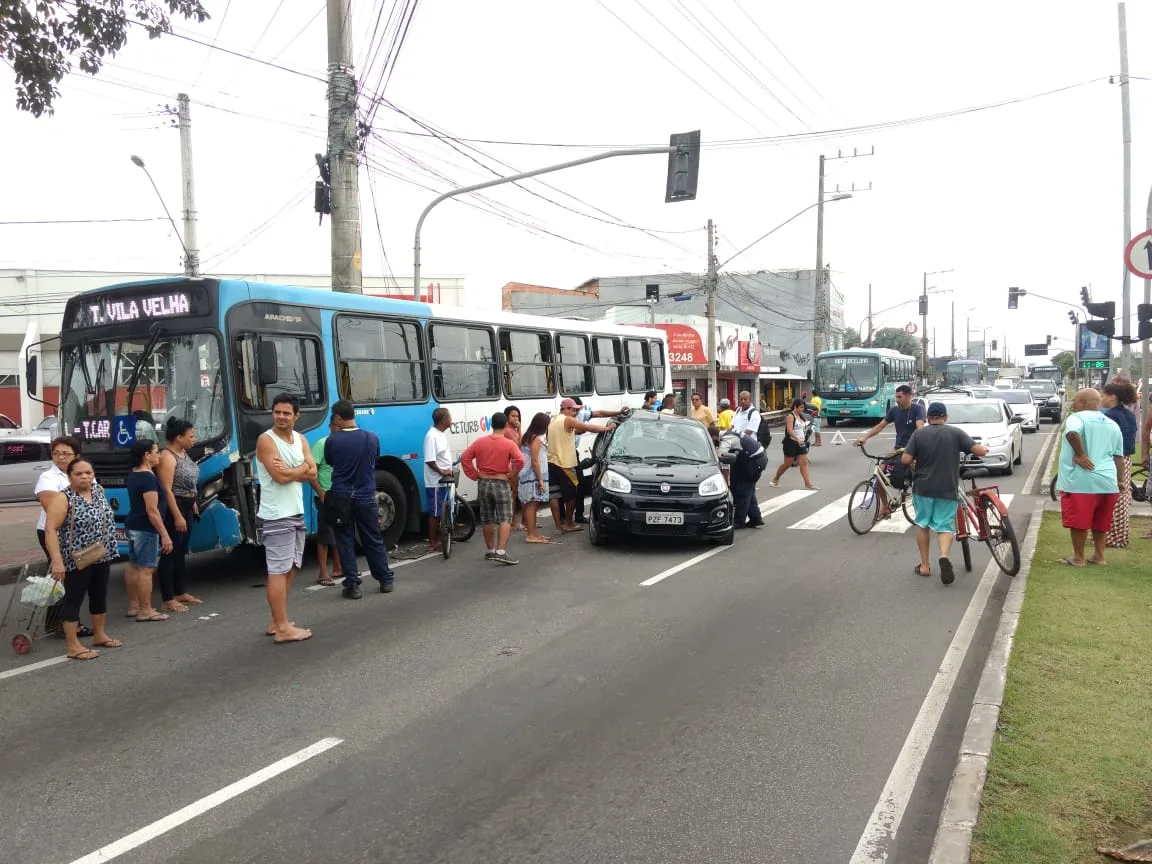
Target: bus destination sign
(110,311)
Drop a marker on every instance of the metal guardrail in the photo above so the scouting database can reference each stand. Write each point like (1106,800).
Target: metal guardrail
(774,418)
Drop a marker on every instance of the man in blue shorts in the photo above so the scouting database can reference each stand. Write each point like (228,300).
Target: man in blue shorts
(936,449)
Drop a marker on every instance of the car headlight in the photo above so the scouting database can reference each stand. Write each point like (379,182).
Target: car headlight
(1053,400)
(714,485)
(999,441)
(614,482)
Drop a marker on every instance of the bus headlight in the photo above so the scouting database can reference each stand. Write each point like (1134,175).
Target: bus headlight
(874,402)
(211,490)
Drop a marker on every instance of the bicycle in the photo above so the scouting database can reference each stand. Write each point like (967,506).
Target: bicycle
(862,510)
(981,514)
(457,521)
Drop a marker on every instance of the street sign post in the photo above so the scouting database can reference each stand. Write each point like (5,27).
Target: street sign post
(1138,255)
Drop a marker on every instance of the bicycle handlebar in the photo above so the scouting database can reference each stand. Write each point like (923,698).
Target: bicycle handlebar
(895,452)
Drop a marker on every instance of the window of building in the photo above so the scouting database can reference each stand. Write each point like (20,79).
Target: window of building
(380,361)
(656,359)
(464,363)
(527,356)
(636,358)
(575,365)
(609,365)
(298,371)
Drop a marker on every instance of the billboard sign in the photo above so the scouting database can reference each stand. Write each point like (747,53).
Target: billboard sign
(1091,346)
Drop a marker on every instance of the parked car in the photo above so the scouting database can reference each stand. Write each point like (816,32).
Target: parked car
(1020,401)
(992,423)
(1045,396)
(658,475)
(22,459)
(8,426)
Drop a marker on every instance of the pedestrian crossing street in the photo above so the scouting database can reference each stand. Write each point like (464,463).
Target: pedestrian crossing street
(836,511)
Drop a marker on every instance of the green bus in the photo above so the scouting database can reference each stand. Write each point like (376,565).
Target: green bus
(860,383)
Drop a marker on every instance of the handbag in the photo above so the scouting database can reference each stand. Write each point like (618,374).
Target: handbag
(91,554)
(337,510)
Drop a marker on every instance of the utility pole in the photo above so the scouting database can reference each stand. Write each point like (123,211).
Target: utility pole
(710,312)
(191,247)
(924,327)
(952,352)
(342,151)
(868,344)
(1144,370)
(1126,298)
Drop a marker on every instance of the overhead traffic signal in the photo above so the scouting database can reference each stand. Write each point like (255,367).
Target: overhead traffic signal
(1072,317)
(683,167)
(1107,311)
(1144,314)
(1014,297)
(1049,340)
(923,305)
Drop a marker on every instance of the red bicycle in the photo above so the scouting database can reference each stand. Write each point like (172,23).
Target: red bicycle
(980,514)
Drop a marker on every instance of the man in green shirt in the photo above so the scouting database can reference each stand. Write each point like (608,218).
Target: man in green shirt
(325,535)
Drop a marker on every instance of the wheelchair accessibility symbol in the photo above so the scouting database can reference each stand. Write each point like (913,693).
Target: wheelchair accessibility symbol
(124,430)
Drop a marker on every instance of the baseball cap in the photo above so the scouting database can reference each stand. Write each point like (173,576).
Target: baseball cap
(568,403)
(937,409)
(724,403)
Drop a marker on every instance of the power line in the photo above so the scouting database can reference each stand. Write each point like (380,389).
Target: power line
(81,221)
(219,29)
(292,41)
(778,51)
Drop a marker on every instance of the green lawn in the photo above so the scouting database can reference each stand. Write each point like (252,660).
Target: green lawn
(1071,764)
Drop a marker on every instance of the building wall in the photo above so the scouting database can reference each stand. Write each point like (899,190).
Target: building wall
(780,305)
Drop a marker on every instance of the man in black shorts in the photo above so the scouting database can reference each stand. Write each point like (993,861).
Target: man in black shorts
(907,418)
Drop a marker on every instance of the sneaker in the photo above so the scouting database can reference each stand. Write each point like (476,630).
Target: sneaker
(488,556)
(386,588)
(352,592)
(504,558)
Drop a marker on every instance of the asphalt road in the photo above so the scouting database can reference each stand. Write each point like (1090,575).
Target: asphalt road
(750,706)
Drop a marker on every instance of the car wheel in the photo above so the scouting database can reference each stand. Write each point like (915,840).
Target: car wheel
(1009,470)
(596,534)
(727,539)
(1019,456)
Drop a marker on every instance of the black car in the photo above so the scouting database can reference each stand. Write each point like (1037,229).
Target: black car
(1045,397)
(658,475)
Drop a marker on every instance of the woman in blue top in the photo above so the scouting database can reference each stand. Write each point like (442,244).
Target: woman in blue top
(147,535)
(1116,401)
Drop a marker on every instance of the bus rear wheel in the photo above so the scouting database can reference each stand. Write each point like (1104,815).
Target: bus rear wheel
(393,507)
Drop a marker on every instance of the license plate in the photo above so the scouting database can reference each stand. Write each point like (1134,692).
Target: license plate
(121,535)
(664,518)
(845,411)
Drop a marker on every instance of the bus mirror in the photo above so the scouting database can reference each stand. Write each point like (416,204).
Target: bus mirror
(269,363)
(30,375)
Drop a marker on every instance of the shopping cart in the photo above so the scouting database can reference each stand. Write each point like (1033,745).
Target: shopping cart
(25,616)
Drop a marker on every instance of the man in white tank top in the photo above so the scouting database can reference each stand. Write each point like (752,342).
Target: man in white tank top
(284,464)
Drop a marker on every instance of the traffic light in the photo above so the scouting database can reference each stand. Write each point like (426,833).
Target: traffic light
(1144,313)
(683,167)
(993,344)
(1084,296)
(652,293)
(1107,311)
(923,305)
(1014,297)
(1049,340)
(1072,317)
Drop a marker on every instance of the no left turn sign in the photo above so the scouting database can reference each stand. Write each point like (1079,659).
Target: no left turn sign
(1138,255)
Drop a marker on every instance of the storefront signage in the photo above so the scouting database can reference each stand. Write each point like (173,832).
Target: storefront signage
(749,360)
(685,345)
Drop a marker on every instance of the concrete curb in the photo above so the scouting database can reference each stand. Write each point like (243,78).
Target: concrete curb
(10,573)
(953,843)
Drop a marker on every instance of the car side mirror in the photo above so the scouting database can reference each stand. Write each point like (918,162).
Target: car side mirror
(30,375)
(1016,418)
(268,362)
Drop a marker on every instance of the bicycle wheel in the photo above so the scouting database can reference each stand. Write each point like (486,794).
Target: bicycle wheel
(863,508)
(447,519)
(465,523)
(966,548)
(1001,539)
(909,508)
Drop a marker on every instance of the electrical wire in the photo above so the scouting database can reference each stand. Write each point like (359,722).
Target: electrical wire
(81,221)
(219,29)
(292,41)
(777,49)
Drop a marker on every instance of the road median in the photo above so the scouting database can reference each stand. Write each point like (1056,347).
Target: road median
(1070,765)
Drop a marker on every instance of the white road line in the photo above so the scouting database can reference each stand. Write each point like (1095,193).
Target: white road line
(394,565)
(779,502)
(895,524)
(683,565)
(1041,461)
(825,516)
(31,667)
(889,811)
(208,802)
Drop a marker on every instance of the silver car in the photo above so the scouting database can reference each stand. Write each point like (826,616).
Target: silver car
(23,458)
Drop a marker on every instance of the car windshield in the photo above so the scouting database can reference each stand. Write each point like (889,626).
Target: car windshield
(662,442)
(1015,397)
(847,376)
(178,375)
(974,412)
(1039,386)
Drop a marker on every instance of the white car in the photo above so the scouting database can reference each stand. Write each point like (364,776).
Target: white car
(1020,401)
(992,423)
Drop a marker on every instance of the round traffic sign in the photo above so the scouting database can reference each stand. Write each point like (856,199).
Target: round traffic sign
(1138,255)
(910,327)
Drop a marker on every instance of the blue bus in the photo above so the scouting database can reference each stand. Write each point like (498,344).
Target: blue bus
(216,352)
(860,383)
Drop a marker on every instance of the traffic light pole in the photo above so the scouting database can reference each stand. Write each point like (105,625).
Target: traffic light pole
(475,187)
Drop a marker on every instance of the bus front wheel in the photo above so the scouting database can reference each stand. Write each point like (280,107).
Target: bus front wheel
(393,507)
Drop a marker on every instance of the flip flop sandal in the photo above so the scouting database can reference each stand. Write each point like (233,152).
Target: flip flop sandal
(81,655)
(191,601)
(83,632)
(1069,562)
(916,570)
(108,643)
(947,574)
(159,616)
(298,639)
(273,633)
(328,582)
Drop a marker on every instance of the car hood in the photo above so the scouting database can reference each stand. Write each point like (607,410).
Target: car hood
(645,472)
(983,431)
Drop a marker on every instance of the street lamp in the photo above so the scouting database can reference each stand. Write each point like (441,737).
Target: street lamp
(189,268)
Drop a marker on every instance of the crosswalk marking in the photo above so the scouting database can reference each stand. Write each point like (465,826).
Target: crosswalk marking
(779,502)
(825,516)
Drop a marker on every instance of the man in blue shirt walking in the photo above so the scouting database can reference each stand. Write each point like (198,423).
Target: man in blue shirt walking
(352,452)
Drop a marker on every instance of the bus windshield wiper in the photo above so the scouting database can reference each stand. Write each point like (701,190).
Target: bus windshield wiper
(143,358)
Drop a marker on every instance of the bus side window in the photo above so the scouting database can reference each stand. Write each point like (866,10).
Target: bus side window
(656,370)
(297,372)
(637,359)
(527,357)
(464,362)
(575,365)
(609,365)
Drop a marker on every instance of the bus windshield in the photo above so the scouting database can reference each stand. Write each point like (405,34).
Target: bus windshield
(962,373)
(847,376)
(152,378)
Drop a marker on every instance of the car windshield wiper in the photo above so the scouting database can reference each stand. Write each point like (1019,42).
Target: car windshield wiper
(677,460)
(625,457)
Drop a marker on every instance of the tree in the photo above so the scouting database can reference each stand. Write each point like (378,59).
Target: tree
(851,338)
(1065,360)
(897,340)
(39,39)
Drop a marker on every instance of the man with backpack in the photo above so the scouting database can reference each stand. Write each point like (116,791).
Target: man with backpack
(750,461)
(747,421)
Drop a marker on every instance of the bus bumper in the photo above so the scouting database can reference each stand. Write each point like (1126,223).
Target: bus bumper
(218,528)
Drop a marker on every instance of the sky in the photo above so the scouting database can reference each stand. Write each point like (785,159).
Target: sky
(1028,194)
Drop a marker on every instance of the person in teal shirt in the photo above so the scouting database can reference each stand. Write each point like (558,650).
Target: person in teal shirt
(325,535)
(1090,466)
